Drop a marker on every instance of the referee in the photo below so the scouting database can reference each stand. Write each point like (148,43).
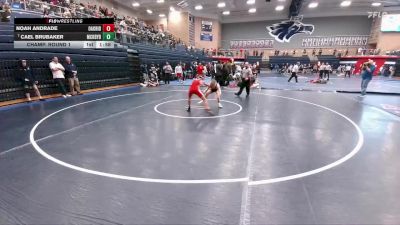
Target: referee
(295,70)
(247,75)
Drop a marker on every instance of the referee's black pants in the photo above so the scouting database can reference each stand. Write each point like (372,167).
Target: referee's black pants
(244,84)
(294,74)
(327,73)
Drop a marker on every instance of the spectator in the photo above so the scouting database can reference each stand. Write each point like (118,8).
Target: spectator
(6,13)
(179,73)
(145,72)
(71,73)
(200,69)
(368,69)
(153,79)
(58,75)
(167,73)
(392,70)
(28,80)
(67,14)
(347,70)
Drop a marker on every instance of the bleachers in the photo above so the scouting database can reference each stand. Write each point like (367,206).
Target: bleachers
(96,68)
(159,55)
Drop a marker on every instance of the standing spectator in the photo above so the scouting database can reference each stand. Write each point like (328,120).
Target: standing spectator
(58,75)
(200,69)
(295,70)
(167,73)
(247,75)
(219,73)
(179,72)
(368,69)
(391,71)
(320,52)
(158,71)
(28,80)
(145,72)
(71,73)
(347,70)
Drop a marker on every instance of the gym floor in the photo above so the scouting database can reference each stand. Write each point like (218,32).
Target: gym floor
(135,156)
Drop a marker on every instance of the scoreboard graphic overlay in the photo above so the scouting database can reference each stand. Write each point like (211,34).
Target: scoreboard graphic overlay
(64,33)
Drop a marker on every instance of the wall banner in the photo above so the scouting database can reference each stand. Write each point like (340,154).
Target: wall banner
(206,26)
(254,43)
(335,41)
(206,37)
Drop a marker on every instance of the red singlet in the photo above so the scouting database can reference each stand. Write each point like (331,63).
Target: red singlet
(195,88)
(200,69)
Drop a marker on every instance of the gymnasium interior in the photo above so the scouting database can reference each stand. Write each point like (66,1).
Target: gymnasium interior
(211,112)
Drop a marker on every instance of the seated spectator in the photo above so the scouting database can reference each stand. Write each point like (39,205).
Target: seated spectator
(71,73)
(45,14)
(58,75)
(67,14)
(153,79)
(28,80)
(6,13)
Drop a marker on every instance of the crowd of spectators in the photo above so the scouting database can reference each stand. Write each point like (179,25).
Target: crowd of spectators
(127,27)
(222,72)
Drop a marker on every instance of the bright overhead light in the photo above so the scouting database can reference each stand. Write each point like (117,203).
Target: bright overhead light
(345,3)
(135,4)
(252,10)
(161,15)
(149,11)
(279,8)
(376,4)
(198,7)
(313,5)
(226,12)
(172,9)
(160,1)
(221,5)
(250,2)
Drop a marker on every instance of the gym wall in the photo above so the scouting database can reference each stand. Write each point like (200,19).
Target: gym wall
(327,26)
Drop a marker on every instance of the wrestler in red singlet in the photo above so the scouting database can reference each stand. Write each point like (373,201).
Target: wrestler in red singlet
(195,90)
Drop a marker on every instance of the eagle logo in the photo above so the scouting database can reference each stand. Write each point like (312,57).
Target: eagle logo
(285,30)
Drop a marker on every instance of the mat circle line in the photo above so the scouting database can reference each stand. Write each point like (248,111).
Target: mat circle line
(196,117)
(356,149)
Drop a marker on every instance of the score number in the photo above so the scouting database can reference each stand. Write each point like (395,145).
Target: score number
(108,28)
(108,32)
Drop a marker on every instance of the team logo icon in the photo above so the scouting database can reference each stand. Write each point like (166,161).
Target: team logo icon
(285,30)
